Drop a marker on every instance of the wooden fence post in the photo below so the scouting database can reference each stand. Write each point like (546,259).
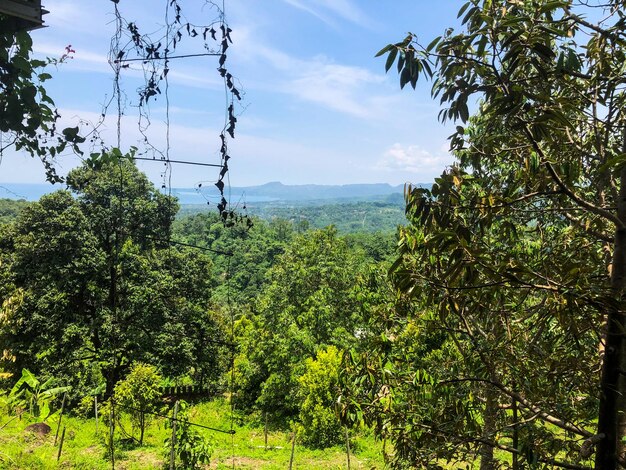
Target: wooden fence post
(112,432)
(266,430)
(95,409)
(173,440)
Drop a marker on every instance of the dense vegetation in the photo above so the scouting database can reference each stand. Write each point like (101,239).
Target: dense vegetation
(347,216)
(494,336)
(101,280)
(9,209)
(517,254)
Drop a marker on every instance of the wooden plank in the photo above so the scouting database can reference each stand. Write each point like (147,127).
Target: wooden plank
(29,11)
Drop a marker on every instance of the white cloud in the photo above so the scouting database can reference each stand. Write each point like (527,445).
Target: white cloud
(73,17)
(413,159)
(88,61)
(334,86)
(326,9)
(318,80)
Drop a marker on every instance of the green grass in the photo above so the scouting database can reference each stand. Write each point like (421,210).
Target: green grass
(83,448)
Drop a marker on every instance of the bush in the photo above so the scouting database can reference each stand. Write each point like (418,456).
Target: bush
(85,407)
(318,392)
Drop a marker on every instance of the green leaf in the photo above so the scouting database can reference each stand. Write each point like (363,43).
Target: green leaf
(21,63)
(27,379)
(433,43)
(405,77)
(385,49)
(463,8)
(390,59)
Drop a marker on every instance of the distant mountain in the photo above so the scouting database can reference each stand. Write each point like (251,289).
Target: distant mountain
(268,192)
(281,191)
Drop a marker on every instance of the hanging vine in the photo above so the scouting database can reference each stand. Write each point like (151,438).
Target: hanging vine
(154,53)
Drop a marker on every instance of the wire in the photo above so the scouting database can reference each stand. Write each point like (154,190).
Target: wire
(183,162)
(166,58)
(189,245)
(190,423)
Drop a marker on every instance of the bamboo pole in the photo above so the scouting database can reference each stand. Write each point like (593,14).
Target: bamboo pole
(112,433)
(293,449)
(61,444)
(56,436)
(348,446)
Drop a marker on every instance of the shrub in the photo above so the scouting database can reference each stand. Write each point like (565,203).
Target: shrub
(318,391)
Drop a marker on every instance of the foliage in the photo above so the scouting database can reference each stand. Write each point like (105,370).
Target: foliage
(139,395)
(313,299)
(91,285)
(27,113)
(348,217)
(318,395)
(9,209)
(85,408)
(304,305)
(540,177)
(250,252)
(30,393)
(192,450)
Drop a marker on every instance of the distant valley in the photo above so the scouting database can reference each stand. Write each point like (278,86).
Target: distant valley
(269,192)
(350,207)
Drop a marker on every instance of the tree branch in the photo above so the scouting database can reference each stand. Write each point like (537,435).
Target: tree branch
(528,405)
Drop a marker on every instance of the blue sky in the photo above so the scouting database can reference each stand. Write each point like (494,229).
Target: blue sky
(318,107)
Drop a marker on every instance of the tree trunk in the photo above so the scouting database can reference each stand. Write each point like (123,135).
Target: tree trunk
(608,416)
(112,376)
(487,461)
(142,425)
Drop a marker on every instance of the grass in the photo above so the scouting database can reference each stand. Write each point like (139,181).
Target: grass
(83,448)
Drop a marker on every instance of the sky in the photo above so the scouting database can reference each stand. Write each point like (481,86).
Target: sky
(318,107)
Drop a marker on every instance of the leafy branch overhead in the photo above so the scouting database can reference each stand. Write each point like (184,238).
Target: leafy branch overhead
(517,252)
(28,115)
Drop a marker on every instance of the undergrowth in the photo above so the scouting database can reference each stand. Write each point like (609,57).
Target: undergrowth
(84,448)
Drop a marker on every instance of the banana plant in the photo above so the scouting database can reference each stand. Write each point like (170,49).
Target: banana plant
(30,392)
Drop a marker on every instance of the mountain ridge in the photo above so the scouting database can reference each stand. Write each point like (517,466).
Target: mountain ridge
(271,191)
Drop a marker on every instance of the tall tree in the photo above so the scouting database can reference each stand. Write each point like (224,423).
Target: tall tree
(93,285)
(309,302)
(549,89)
(484,325)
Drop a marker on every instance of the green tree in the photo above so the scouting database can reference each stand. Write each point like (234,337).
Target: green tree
(307,304)
(474,320)
(139,395)
(10,208)
(549,140)
(92,284)
(241,254)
